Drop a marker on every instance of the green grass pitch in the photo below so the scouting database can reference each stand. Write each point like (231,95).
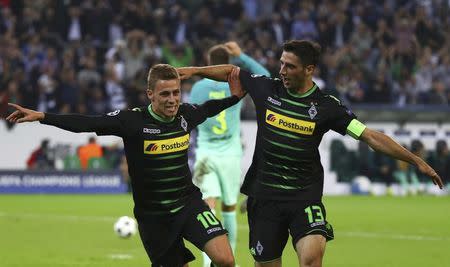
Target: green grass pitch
(76,230)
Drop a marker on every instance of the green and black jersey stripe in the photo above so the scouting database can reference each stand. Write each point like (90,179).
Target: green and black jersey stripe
(286,162)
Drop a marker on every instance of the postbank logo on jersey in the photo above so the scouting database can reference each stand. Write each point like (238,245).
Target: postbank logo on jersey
(167,145)
(289,124)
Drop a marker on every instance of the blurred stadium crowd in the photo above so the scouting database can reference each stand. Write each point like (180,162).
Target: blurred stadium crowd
(350,164)
(92,56)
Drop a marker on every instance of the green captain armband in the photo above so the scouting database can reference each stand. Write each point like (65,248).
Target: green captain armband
(355,128)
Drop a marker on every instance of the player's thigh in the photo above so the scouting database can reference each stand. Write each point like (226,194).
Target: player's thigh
(162,240)
(309,230)
(268,230)
(206,177)
(229,172)
(178,255)
(310,250)
(308,218)
(201,225)
(219,251)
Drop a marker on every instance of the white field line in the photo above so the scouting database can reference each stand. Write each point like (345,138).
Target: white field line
(110,219)
(120,256)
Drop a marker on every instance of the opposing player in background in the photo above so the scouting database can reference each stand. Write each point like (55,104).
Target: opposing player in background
(217,169)
(168,207)
(286,178)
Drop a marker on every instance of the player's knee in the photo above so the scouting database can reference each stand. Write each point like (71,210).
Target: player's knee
(224,260)
(311,260)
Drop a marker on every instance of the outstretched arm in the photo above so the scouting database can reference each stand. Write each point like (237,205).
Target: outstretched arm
(217,72)
(384,144)
(71,122)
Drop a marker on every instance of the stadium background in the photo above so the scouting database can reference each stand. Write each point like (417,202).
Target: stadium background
(389,61)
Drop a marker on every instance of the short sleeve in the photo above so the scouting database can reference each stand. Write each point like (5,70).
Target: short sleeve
(340,116)
(259,87)
(254,83)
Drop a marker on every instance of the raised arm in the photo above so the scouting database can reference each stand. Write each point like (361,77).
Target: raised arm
(384,144)
(246,61)
(216,72)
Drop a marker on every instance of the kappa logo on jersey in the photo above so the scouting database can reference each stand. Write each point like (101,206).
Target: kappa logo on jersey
(167,145)
(113,113)
(271,117)
(151,131)
(290,124)
(274,101)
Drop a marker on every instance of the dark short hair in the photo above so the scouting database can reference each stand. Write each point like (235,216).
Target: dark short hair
(218,55)
(416,145)
(441,145)
(160,72)
(307,51)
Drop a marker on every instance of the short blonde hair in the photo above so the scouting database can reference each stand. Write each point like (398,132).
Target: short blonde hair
(160,72)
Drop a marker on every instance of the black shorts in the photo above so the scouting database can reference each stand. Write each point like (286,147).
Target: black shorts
(163,236)
(271,221)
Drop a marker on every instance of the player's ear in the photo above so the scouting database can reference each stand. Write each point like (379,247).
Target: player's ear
(150,94)
(310,69)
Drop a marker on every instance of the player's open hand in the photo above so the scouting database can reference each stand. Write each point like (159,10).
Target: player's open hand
(235,83)
(428,171)
(24,115)
(233,48)
(185,72)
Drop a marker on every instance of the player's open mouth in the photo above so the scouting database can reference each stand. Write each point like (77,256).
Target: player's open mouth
(171,108)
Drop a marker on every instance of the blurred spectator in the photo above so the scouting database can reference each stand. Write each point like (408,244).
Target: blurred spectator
(134,54)
(380,91)
(75,24)
(303,27)
(115,95)
(440,160)
(277,29)
(41,158)
(69,91)
(47,98)
(96,103)
(383,171)
(88,151)
(89,75)
(178,56)
(438,94)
